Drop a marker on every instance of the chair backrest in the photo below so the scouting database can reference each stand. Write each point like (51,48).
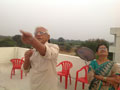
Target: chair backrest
(86,67)
(17,63)
(23,58)
(66,66)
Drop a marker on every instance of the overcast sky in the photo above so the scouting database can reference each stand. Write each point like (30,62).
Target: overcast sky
(70,19)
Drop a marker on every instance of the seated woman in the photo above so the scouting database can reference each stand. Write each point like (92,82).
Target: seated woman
(103,74)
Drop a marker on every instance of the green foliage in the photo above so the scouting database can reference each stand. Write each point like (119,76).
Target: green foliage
(65,45)
(61,39)
(68,47)
(17,39)
(14,41)
(93,43)
(7,42)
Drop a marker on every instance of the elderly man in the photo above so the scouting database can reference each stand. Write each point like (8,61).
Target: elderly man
(41,60)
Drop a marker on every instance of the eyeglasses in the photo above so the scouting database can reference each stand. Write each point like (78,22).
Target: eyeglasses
(41,33)
(102,48)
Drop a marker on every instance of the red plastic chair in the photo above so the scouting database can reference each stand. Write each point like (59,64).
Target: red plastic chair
(66,66)
(17,63)
(119,88)
(82,79)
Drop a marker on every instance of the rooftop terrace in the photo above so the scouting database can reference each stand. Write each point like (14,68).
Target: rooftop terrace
(17,84)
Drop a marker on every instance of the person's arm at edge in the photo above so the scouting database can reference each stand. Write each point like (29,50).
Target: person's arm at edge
(34,42)
(38,46)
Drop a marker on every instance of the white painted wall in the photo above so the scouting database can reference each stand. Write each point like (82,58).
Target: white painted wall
(21,52)
(115,49)
(7,53)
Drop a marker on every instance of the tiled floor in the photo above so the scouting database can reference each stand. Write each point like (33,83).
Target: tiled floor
(17,84)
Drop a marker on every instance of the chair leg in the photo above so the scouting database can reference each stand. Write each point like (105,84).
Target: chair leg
(11,74)
(83,84)
(60,78)
(66,80)
(21,73)
(13,71)
(75,84)
(70,78)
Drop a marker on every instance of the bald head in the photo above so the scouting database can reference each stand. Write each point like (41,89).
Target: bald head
(41,29)
(41,34)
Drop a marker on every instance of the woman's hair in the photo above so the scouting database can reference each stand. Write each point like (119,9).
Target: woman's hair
(101,45)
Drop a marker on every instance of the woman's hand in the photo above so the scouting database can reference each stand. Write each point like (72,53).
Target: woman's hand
(115,79)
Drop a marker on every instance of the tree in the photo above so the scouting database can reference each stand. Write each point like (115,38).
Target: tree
(7,42)
(17,39)
(68,47)
(93,43)
(61,39)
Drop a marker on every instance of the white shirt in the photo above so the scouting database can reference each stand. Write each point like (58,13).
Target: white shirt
(43,68)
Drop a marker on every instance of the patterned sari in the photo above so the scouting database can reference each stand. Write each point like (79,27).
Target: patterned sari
(104,70)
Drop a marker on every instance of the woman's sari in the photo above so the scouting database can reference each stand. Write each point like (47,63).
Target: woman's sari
(102,69)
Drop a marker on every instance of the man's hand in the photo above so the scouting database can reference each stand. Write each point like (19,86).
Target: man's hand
(28,54)
(26,37)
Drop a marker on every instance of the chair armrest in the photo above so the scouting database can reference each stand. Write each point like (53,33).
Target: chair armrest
(58,65)
(22,58)
(80,70)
